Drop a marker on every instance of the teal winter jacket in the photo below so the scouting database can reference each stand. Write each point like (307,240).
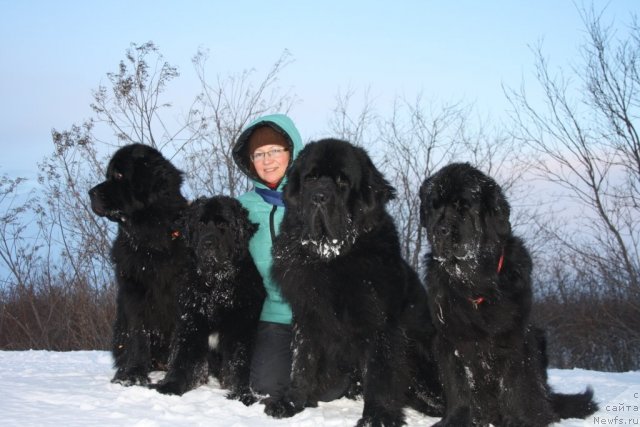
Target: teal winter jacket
(267,216)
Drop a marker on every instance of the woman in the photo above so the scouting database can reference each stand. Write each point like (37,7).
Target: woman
(264,151)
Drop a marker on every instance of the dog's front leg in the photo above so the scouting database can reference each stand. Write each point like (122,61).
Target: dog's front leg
(235,368)
(303,373)
(385,381)
(455,380)
(131,343)
(188,364)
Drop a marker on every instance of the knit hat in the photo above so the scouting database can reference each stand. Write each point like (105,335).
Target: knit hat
(266,135)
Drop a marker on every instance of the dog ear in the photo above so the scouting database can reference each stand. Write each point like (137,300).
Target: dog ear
(191,218)
(499,210)
(243,226)
(252,228)
(376,189)
(169,178)
(425,193)
(153,173)
(291,191)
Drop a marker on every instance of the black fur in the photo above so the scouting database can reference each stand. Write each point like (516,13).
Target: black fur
(142,194)
(224,303)
(492,361)
(359,310)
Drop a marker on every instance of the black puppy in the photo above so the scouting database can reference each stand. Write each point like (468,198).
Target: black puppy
(220,311)
(141,194)
(359,310)
(492,361)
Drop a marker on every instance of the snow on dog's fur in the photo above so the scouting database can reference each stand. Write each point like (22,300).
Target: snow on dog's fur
(359,310)
(492,361)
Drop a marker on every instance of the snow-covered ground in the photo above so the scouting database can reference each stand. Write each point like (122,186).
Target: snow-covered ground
(40,388)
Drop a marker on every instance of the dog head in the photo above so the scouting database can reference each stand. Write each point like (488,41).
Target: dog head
(218,230)
(466,217)
(335,193)
(137,177)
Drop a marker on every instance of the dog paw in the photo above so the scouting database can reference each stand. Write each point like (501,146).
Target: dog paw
(130,378)
(387,420)
(456,417)
(246,397)
(280,408)
(169,387)
(355,391)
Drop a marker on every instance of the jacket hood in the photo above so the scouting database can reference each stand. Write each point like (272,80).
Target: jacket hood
(280,123)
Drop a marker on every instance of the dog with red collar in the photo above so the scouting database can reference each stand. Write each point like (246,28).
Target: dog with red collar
(491,360)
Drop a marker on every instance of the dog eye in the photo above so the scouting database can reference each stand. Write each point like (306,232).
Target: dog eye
(310,177)
(461,205)
(342,181)
(117,176)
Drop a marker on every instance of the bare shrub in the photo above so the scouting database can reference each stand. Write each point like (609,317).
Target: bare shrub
(59,293)
(584,145)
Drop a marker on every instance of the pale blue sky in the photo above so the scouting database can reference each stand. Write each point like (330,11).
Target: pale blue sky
(53,53)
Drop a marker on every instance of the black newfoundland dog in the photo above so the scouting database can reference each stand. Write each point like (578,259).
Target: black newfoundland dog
(492,361)
(359,310)
(220,311)
(142,194)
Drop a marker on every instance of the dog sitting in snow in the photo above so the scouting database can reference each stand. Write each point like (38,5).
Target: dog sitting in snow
(492,362)
(219,310)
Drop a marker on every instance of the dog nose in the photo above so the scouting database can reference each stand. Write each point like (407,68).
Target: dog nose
(443,230)
(97,204)
(319,198)
(207,244)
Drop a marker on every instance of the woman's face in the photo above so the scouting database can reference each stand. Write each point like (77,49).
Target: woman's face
(270,162)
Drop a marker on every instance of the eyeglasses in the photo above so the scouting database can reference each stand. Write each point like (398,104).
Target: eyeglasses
(272,154)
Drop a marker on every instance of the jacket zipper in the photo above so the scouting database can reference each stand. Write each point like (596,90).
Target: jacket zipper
(272,227)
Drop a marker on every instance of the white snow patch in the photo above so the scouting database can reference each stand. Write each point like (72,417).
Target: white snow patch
(41,388)
(214,340)
(325,248)
(470,379)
